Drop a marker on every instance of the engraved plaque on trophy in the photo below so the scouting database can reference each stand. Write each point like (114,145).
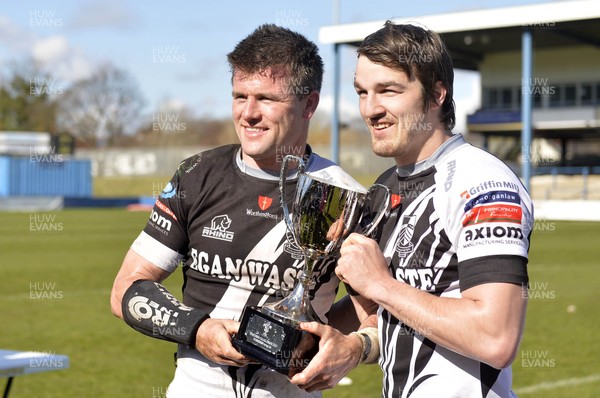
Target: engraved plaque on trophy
(325,210)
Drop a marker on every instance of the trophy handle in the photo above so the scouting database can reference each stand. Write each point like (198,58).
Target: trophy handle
(282,181)
(384,208)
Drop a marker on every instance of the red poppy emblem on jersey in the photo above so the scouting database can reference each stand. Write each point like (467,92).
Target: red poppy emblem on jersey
(395,200)
(264,202)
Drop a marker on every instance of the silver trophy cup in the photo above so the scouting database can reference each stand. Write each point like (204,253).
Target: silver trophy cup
(324,212)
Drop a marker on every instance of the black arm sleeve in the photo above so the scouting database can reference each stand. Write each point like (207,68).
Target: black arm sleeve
(149,308)
(489,269)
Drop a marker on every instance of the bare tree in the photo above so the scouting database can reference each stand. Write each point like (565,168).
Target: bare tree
(27,98)
(99,108)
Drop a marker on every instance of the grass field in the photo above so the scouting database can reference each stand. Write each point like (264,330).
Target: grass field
(58,268)
(152,185)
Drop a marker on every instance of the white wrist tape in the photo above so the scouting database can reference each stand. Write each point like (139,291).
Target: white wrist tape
(370,339)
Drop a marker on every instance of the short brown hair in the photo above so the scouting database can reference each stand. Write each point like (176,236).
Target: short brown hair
(271,46)
(417,52)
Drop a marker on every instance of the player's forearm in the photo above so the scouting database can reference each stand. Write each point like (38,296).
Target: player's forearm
(488,330)
(134,268)
(366,311)
(343,316)
(351,313)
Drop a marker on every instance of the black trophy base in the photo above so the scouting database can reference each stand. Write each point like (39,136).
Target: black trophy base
(278,345)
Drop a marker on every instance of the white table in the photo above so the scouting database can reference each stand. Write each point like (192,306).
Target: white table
(17,363)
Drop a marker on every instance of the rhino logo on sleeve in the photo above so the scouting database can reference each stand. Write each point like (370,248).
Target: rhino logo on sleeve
(218,229)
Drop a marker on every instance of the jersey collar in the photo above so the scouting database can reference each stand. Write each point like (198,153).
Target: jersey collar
(447,147)
(270,174)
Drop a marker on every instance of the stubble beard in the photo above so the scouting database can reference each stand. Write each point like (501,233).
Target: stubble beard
(397,146)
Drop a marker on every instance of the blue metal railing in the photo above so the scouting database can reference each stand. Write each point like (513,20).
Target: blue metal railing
(555,171)
(566,170)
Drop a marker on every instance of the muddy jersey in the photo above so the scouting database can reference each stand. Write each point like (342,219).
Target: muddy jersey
(221,221)
(461,218)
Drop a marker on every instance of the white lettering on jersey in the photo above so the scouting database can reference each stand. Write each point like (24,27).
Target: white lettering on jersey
(257,272)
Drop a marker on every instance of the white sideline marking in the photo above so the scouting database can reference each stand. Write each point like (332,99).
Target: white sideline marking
(575,381)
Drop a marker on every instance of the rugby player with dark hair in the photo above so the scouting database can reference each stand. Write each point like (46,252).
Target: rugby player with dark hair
(447,272)
(219,219)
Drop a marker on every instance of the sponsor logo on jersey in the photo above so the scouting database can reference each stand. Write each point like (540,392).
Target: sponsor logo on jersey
(218,229)
(404,245)
(165,209)
(255,271)
(264,202)
(499,231)
(160,222)
(169,191)
(493,213)
(395,201)
(263,214)
(493,197)
(484,186)
(189,164)
(421,278)
(451,166)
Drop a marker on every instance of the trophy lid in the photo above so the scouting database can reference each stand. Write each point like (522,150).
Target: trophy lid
(336,176)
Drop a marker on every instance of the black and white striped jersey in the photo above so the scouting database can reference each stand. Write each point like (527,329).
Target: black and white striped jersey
(461,218)
(221,221)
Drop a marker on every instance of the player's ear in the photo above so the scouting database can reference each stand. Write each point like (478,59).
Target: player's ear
(311,103)
(439,93)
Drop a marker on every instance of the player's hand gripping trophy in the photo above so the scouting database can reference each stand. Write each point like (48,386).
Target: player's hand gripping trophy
(325,210)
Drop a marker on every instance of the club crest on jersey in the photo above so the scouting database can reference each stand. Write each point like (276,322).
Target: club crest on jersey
(218,228)
(264,202)
(404,245)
